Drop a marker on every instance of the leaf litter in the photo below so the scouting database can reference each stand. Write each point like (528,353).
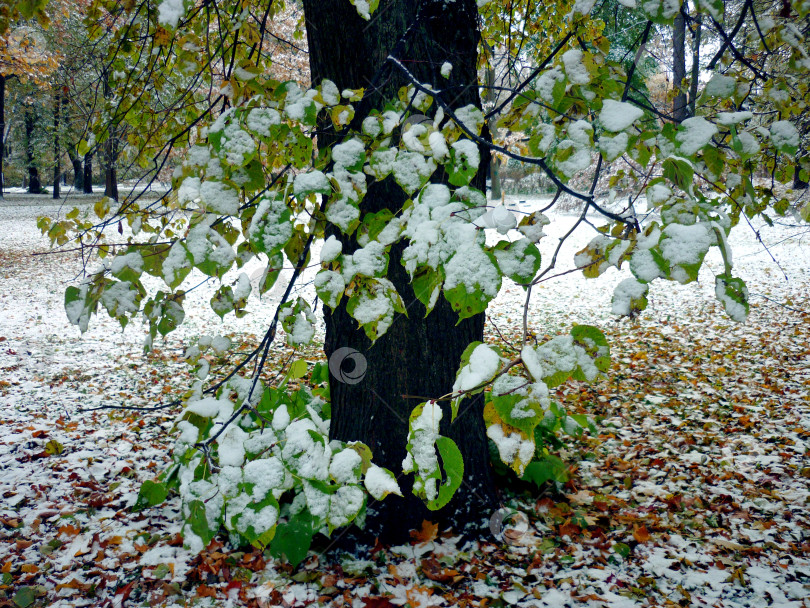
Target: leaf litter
(696,490)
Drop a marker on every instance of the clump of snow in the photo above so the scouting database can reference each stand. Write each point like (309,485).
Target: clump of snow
(784,135)
(345,466)
(625,294)
(581,8)
(613,147)
(732,118)
(503,220)
(546,81)
(314,181)
(578,160)
(572,61)
(471,117)
(422,436)
(514,449)
(331,249)
(749,143)
(694,133)
(170,12)
(259,120)
(446,68)
(483,365)
(219,198)
(618,115)
(132,260)
(380,482)
(734,308)
(721,86)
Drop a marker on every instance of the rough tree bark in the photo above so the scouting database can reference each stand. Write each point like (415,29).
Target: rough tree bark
(418,355)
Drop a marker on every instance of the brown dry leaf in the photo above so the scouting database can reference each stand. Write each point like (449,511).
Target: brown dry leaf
(432,569)
(377,602)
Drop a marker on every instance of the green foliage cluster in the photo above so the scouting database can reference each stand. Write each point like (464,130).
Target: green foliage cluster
(258,460)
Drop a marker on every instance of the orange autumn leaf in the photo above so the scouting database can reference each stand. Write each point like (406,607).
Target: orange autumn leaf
(69,530)
(641,534)
(206,591)
(427,533)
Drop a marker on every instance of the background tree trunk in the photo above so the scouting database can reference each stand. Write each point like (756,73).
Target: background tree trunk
(78,177)
(418,355)
(693,84)
(34,185)
(491,97)
(110,152)
(679,67)
(57,165)
(88,173)
(2,131)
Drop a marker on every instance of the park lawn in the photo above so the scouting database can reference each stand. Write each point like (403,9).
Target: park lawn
(694,491)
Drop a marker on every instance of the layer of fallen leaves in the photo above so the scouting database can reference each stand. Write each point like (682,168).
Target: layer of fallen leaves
(695,492)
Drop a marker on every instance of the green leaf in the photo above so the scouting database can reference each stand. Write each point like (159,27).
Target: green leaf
(465,302)
(519,260)
(427,284)
(547,468)
(298,369)
(54,448)
(151,493)
(505,405)
(222,301)
(595,344)
(198,522)
(622,549)
(463,164)
(293,539)
(733,294)
(373,305)
(320,374)
(453,465)
(679,172)
(25,596)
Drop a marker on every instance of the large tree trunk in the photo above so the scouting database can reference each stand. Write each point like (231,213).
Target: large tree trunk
(679,67)
(34,185)
(418,355)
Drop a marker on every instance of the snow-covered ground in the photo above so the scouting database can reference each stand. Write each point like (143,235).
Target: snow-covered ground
(701,468)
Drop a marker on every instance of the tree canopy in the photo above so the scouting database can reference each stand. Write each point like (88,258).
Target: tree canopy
(265,166)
